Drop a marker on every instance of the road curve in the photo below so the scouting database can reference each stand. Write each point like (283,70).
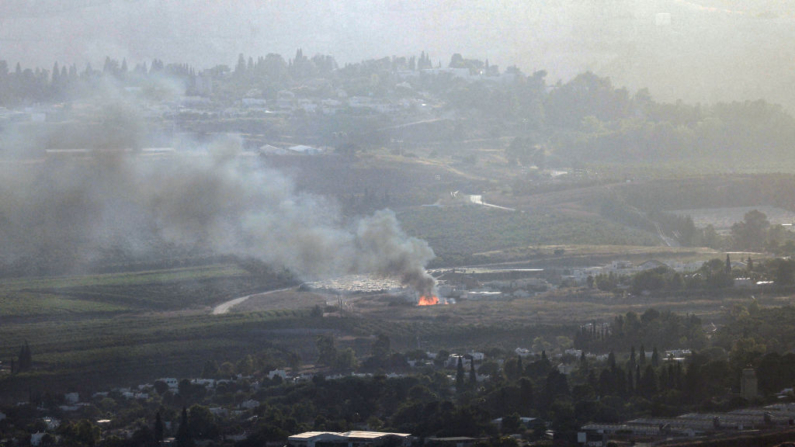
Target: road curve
(227,305)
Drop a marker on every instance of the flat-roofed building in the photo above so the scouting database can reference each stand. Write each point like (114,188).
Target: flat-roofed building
(349,439)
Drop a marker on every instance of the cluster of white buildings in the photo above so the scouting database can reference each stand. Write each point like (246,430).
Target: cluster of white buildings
(625,268)
(288,103)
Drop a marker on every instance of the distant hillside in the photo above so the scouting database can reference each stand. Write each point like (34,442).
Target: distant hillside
(696,50)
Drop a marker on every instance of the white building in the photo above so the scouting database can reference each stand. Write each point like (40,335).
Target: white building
(306,150)
(575,352)
(477,356)
(349,439)
(51,423)
(170,381)
(207,383)
(523,352)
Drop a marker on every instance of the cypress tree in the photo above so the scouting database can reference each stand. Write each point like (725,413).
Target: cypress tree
(25,361)
(648,382)
(183,438)
(592,381)
(56,74)
(620,380)
(158,428)
(630,384)
(637,379)
(459,375)
(525,395)
(655,358)
(21,358)
(473,376)
(678,376)
(670,381)
(240,68)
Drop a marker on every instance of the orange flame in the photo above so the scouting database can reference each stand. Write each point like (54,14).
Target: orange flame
(428,301)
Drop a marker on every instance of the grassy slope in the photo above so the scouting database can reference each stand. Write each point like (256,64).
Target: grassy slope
(106,328)
(469,230)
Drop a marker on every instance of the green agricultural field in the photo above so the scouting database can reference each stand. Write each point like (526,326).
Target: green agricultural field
(453,232)
(95,329)
(115,279)
(29,304)
(173,289)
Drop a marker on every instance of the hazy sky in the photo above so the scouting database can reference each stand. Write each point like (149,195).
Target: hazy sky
(697,50)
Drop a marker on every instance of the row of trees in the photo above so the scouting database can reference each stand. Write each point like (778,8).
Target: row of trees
(585,119)
(754,233)
(713,275)
(665,329)
(62,82)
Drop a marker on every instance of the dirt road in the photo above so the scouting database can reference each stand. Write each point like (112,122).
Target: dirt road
(226,306)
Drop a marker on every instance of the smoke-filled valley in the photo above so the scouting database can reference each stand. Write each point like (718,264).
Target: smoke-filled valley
(422,247)
(64,215)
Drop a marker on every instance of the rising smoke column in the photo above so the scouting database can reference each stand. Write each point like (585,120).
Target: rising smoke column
(225,203)
(75,210)
(389,252)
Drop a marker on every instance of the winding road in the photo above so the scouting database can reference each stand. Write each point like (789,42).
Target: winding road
(228,305)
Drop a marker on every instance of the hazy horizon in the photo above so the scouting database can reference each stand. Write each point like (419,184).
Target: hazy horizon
(697,50)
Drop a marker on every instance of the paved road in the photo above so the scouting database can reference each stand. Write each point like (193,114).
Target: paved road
(226,306)
(478,199)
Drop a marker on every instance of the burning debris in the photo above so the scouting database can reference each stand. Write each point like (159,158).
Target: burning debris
(428,301)
(370,284)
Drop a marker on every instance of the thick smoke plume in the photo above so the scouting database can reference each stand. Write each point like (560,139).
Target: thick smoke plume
(75,209)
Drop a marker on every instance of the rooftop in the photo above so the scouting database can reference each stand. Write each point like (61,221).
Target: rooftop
(350,434)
